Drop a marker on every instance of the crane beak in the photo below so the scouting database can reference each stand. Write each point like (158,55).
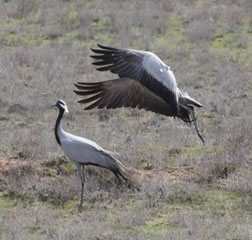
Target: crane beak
(66,110)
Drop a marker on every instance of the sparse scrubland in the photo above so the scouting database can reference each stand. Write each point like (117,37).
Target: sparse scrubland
(181,189)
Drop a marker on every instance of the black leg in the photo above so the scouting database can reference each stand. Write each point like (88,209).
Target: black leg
(199,133)
(118,178)
(82,176)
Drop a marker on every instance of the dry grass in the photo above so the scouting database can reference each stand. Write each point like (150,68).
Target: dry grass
(178,184)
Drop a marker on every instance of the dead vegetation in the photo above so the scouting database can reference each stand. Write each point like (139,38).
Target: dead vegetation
(177,184)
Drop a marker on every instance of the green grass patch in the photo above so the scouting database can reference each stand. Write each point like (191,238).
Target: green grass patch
(192,151)
(154,148)
(213,202)
(9,200)
(186,198)
(70,19)
(26,200)
(67,168)
(221,202)
(173,35)
(34,232)
(12,39)
(225,41)
(198,151)
(219,43)
(5,202)
(158,229)
(113,222)
(237,43)
(72,205)
(134,206)
(160,224)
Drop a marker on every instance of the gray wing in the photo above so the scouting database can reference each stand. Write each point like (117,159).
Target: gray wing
(85,151)
(122,92)
(142,66)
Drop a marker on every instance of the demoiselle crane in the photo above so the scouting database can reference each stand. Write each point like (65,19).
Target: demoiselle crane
(145,82)
(83,151)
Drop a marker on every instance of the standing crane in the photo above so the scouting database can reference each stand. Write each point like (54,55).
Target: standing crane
(83,151)
(145,81)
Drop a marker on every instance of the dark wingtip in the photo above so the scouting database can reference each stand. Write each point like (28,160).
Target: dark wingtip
(88,83)
(103,46)
(98,45)
(107,48)
(93,56)
(78,84)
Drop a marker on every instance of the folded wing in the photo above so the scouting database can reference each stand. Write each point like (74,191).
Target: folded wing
(82,150)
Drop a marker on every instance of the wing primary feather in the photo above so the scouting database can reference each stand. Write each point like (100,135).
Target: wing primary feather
(88,87)
(85,93)
(104,62)
(101,57)
(89,83)
(108,48)
(93,105)
(106,68)
(88,100)
(107,52)
(100,51)
(115,101)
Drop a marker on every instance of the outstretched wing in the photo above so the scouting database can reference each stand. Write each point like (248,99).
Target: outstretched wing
(142,66)
(125,92)
(122,92)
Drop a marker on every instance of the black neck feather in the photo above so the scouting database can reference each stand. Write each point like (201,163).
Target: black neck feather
(61,112)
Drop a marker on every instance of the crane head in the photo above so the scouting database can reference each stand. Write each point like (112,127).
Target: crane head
(62,105)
